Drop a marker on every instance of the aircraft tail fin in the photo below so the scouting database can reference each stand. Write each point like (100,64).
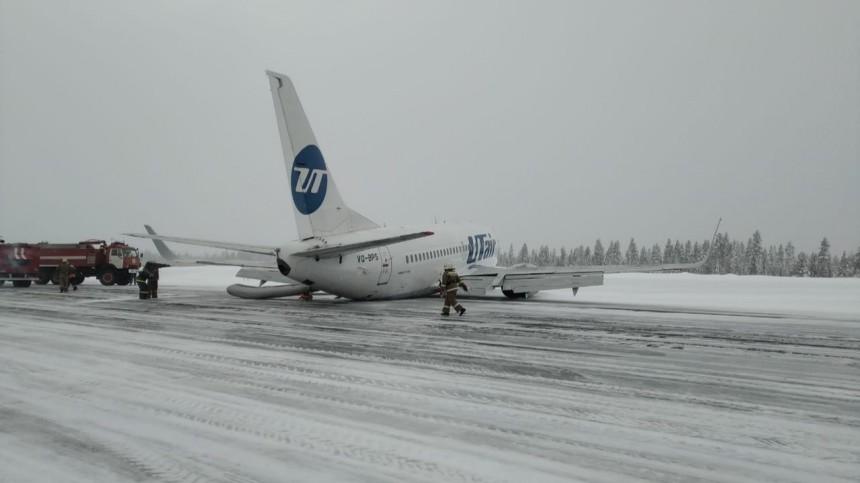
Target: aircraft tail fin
(318,206)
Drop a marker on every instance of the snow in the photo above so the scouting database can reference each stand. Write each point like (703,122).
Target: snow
(649,378)
(839,297)
(805,296)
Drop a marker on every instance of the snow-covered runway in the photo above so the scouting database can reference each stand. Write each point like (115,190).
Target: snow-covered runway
(199,386)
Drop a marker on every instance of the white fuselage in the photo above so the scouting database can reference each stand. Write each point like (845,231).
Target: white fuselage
(399,270)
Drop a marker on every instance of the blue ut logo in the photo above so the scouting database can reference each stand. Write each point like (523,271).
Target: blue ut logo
(481,247)
(309,180)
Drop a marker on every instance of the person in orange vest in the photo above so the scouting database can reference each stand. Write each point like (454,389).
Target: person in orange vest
(449,284)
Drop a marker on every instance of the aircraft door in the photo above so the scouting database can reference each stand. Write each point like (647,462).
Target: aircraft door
(385,266)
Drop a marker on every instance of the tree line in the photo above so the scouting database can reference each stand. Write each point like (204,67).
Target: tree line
(726,256)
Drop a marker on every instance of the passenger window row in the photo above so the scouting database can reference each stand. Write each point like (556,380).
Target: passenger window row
(432,254)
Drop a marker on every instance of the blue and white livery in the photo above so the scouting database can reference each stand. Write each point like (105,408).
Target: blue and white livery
(343,253)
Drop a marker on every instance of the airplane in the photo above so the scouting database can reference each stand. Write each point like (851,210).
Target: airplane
(343,253)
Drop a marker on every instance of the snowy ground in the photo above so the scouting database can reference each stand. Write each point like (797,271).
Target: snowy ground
(650,377)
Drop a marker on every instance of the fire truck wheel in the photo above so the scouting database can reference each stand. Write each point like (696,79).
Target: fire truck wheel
(2,282)
(123,279)
(108,277)
(21,283)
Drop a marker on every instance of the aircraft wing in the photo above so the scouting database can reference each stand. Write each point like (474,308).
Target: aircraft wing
(263,250)
(343,249)
(520,281)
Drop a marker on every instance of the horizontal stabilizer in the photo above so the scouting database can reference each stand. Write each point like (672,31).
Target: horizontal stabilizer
(343,249)
(162,248)
(263,250)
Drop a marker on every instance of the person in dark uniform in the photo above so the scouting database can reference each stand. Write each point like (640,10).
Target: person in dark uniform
(64,272)
(450,283)
(152,282)
(140,280)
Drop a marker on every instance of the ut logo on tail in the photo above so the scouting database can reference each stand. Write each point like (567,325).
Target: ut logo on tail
(303,183)
(309,180)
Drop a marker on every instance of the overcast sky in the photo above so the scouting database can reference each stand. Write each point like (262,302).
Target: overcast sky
(552,122)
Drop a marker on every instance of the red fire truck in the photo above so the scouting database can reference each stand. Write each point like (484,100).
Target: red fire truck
(19,263)
(114,263)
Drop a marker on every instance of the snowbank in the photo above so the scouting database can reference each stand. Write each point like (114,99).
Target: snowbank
(812,296)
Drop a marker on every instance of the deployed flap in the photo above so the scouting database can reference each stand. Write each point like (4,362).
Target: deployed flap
(343,249)
(318,207)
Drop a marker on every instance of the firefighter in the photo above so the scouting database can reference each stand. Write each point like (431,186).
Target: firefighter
(449,284)
(140,280)
(152,282)
(64,271)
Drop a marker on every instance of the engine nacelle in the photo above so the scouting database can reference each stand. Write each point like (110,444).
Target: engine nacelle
(270,292)
(283,267)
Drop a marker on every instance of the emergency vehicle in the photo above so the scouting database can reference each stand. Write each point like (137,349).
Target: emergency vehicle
(19,263)
(114,263)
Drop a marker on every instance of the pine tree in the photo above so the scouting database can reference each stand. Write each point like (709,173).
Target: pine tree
(631,257)
(738,265)
(754,258)
(801,267)
(790,258)
(543,256)
(598,258)
(578,256)
(588,257)
(656,254)
(677,252)
(855,265)
(562,257)
(668,252)
(643,257)
(613,255)
(823,268)
(524,254)
(780,262)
